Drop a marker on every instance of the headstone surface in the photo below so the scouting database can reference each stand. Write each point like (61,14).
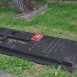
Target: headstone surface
(39,48)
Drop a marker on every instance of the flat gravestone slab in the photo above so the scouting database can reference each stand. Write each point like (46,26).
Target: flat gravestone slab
(4,74)
(39,48)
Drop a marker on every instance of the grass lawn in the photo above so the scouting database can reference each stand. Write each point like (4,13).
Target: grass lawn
(59,20)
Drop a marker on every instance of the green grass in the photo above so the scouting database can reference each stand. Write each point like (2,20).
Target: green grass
(59,20)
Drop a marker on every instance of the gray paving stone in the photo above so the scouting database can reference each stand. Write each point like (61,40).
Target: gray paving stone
(31,14)
(4,74)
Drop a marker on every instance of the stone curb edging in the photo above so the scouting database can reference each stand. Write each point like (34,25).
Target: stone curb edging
(63,1)
(6,3)
(4,74)
(30,15)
